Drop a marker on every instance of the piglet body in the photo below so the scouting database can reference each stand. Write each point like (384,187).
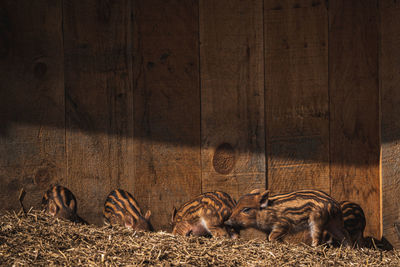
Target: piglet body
(354,223)
(205,216)
(279,215)
(60,202)
(121,208)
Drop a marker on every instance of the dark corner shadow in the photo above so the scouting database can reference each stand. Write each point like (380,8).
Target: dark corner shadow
(383,244)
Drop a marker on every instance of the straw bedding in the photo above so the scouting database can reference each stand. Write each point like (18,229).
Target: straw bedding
(38,239)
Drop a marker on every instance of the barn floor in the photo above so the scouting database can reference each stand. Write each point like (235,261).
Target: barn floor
(37,239)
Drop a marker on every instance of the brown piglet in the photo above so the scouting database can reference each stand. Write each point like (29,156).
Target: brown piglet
(279,215)
(59,202)
(121,208)
(205,216)
(354,223)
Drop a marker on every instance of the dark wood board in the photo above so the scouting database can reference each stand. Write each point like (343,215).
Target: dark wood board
(354,106)
(32,140)
(232,96)
(99,101)
(389,76)
(166,106)
(297,99)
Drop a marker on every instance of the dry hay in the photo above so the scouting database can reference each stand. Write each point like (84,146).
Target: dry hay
(37,239)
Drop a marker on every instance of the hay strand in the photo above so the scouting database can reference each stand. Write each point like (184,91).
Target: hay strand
(38,239)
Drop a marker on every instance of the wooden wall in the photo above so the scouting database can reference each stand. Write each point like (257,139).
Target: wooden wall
(32,96)
(168,99)
(389,66)
(354,106)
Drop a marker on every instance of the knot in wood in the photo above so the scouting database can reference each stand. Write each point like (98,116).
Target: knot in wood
(224,158)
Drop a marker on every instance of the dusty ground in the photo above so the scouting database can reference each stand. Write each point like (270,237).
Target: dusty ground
(37,239)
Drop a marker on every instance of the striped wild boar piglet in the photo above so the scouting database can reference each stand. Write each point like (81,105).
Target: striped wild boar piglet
(121,208)
(293,212)
(205,216)
(354,223)
(59,202)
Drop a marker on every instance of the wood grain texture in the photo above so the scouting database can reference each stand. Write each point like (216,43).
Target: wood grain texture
(32,100)
(296,95)
(354,106)
(390,118)
(232,96)
(99,101)
(166,106)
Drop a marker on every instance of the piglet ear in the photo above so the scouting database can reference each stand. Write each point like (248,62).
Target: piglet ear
(263,199)
(256,191)
(72,205)
(129,221)
(173,215)
(52,207)
(147,215)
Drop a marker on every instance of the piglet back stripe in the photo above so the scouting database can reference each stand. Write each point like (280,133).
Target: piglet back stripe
(127,204)
(351,209)
(114,202)
(193,209)
(200,202)
(122,203)
(317,193)
(277,201)
(71,201)
(67,198)
(62,194)
(112,206)
(356,213)
(190,206)
(126,195)
(219,201)
(300,209)
(213,200)
(58,199)
(225,198)
(122,194)
(63,198)
(110,209)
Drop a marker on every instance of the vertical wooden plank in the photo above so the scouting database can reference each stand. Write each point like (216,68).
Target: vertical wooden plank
(99,101)
(31,100)
(232,96)
(166,106)
(354,106)
(390,121)
(297,100)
